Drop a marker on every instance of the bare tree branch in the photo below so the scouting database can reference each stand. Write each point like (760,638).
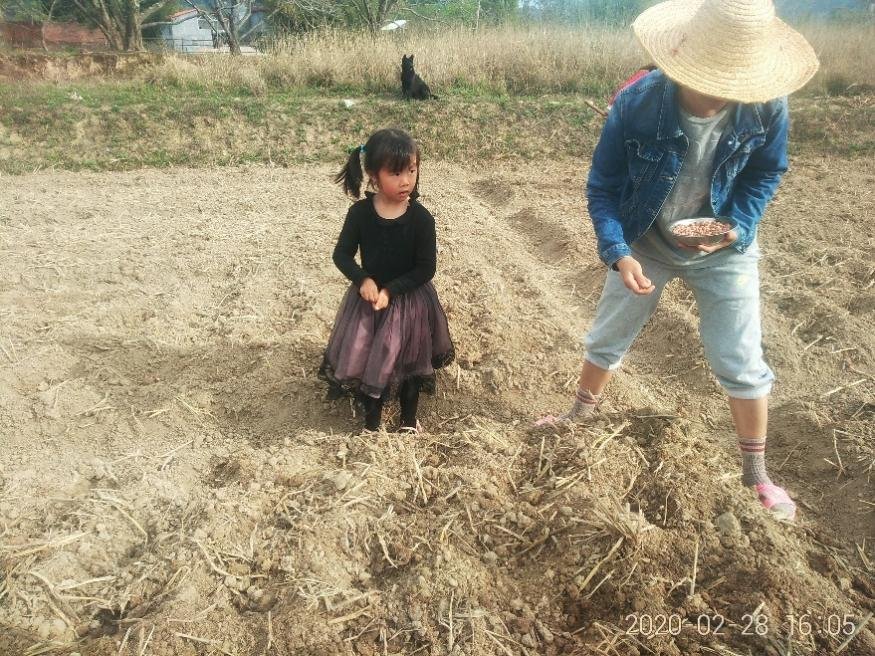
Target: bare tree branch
(428,18)
(246,34)
(42,29)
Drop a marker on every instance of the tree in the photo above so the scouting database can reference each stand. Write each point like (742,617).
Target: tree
(468,12)
(31,12)
(581,11)
(122,21)
(36,11)
(497,11)
(305,15)
(370,13)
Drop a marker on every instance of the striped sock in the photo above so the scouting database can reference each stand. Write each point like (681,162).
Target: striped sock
(585,403)
(753,460)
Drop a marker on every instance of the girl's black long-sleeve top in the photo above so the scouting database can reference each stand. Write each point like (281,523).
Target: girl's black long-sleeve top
(399,254)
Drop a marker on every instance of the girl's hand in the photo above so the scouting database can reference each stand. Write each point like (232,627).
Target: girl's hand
(382,300)
(730,237)
(633,276)
(368,290)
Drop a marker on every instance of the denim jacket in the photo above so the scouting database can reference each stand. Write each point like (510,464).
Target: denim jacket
(639,156)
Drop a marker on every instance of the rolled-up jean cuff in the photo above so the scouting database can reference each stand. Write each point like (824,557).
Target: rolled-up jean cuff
(750,393)
(749,387)
(601,363)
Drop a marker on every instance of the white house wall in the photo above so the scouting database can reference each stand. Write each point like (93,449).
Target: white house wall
(187,36)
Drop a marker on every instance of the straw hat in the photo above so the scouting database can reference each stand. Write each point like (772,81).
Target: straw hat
(733,49)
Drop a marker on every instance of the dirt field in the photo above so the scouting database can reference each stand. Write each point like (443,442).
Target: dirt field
(173,483)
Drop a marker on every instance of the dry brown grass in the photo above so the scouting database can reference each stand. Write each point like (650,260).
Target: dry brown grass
(510,59)
(509,92)
(501,60)
(516,60)
(847,59)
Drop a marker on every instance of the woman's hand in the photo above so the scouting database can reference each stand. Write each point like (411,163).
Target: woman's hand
(368,290)
(633,276)
(728,239)
(382,300)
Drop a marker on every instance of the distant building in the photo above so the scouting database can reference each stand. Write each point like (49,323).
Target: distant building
(188,31)
(56,35)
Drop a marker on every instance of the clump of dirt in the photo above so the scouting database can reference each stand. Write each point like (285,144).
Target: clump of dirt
(175,482)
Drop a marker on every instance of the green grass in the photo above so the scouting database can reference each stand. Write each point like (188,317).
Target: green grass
(106,125)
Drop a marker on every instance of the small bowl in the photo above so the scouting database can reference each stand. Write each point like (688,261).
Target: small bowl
(701,240)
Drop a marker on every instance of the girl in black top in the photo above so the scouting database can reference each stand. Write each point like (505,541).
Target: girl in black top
(391,331)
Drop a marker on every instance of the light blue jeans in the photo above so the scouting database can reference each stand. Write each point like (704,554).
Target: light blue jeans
(728,297)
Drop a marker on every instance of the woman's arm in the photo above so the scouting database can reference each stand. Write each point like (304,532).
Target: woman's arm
(607,176)
(757,182)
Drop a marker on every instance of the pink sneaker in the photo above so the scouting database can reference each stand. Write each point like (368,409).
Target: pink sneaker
(776,500)
(549,420)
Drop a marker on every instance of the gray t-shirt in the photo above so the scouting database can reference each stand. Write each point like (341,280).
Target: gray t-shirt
(691,195)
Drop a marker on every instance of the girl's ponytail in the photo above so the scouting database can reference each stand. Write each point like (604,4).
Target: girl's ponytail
(350,177)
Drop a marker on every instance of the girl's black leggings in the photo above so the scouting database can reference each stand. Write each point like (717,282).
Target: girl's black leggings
(408,395)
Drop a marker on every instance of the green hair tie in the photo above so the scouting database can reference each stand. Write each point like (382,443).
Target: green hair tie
(352,149)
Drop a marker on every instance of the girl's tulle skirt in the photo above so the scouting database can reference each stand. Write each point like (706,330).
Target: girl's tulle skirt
(370,352)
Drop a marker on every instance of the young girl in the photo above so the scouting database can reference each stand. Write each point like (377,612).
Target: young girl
(391,331)
(705,135)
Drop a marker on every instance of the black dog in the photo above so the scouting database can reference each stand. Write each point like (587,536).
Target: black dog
(413,86)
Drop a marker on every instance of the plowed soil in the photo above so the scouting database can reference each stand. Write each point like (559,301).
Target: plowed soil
(173,481)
